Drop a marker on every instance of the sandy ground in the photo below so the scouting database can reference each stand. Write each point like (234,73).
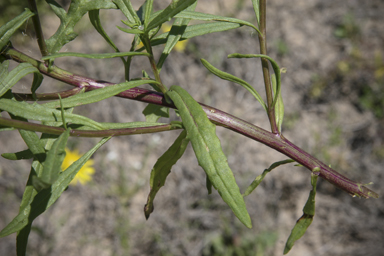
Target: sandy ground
(324,115)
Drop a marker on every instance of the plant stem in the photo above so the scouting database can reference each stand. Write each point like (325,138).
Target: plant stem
(265,67)
(272,140)
(38,29)
(86,133)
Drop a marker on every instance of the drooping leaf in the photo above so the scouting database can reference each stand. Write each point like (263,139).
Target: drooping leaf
(187,14)
(260,178)
(96,95)
(41,201)
(77,9)
(94,17)
(175,7)
(306,219)
(232,78)
(11,78)
(153,112)
(275,67)
(197,30)
(209,154)
(7,30)
(163,167)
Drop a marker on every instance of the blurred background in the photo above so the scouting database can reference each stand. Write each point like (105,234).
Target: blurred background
(334,102)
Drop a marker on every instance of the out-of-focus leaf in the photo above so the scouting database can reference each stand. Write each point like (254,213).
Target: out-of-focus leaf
(232,78)
(209,154)
(163,167)
(210,17)
(7,30)
(153,112)
(177,30)
(260,178)
(308,213)
(77,9)
(175,7)
(197,30)
(256,7)
(15,75)
(37,80)
(41,201)
(96,95)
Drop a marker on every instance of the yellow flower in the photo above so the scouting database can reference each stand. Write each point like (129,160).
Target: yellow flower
(85,173)
(180,45)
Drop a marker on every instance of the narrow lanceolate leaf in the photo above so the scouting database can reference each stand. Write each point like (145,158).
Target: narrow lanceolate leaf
(41,201)
(210,156)
(94,17)
(174,8)
(96,95)
(279,107)
(260,178)
(52,164)
(94,56)
(177,30)
(275,67)
(15,75)
(127,9)
(256,7)
(210,17)
(7,30)
(197,30)
(40,113)
(25,154)
(232,78)
(308,213)
(163,167)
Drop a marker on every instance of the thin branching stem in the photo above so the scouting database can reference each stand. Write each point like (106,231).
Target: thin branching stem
(273,140)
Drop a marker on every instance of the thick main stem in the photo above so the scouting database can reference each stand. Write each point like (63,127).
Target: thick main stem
(218,117)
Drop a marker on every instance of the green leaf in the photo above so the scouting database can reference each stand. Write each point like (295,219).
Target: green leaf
(40,113)
(94,18)
(131,31)
(41,201)
(153,112)
(279,107)
(175,7)
(260,178)
(15,75)
(210,17)
(25,154)
(94,56)
(197,30)
(209,154)
(37,80)
(53,162)
(232,78)
(121,125)
(256,8)
(148,7)
(77,9)
(275,67)
(96,95)
(163,167)
(177,30)
(306,219)
(7,30)
(126,7)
